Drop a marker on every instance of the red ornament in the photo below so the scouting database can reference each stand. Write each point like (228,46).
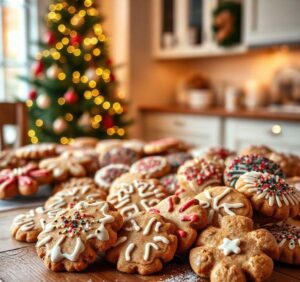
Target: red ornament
(38,68)
(50,38)
(71,97)
(75,40)
(32,95)
(109,62)
(112,77)
(108,121)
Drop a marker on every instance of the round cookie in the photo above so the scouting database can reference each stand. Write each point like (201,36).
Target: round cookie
(243,164)
(36,151)
(162,145)
(262,150)
(234,252)
(269,194)
(198,174)
(134,144)
(145,248)
(8,159)
(131,194)
(105,176)
(85,142)
(103,145)
(187,215)
(283,161)
(68,197)
(22,180)
(170,183)
(151,167)
(72,240)
(74,182)
(221,200)
(218,155)
(175,160)
(287,235)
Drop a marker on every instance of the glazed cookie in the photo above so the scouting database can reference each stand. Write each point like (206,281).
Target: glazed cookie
(234,251)
(257,150)
(269,194)
(68,197)
(243,164)
(72,240)
(221,200)
(198,174)
(22,180)
(170,183)
(162,146)
(151,167)
(187,215)
(74,182)
(146,247)
(68,164)
(36,151)
(105,176)
(132,194)
(175,160)
(118,155)
(287,235)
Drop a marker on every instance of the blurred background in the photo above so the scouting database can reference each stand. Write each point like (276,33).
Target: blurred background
(212,72)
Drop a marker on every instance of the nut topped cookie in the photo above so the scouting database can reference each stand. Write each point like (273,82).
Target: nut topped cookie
(72,240)
(187,215)
(151,167)
(221,200)
(145,248)
(243,164)
(234,251)
(198,174)
(269,194)
(36,151)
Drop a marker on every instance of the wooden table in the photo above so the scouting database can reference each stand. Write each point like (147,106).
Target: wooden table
(19,262)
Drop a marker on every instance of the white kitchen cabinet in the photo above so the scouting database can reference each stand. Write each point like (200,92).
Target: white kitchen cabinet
(197,130)
(279,135)
(272,22)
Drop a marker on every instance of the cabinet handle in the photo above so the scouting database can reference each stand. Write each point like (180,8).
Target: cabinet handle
(179,123)
(276,130)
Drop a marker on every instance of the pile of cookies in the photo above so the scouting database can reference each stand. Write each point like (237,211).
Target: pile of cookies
(141,204)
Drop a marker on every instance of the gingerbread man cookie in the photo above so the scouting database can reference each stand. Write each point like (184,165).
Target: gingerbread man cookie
(72,240)
(187,215)
(22,180)
(36,151)
(131,194)
(198,174)
(221,200)
(145,248)
(243,164)
(234,251)
(163,145)
(151,167)
(269,194)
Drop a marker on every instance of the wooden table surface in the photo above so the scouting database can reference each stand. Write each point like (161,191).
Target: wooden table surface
(19,262)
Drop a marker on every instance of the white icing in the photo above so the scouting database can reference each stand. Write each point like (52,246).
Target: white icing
(120,241)
(161,239)
(128,251)
(147,229)
(27,222)
(150,170)
(230,246)
(157,226)
(147,249)
(44,241)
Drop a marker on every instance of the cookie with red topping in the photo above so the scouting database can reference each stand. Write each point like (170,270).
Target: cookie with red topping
(170,183)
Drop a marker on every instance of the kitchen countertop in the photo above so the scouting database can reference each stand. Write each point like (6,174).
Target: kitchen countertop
(260,113)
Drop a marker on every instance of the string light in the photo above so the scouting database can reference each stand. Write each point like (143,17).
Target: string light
(65,41)
(69,117)
(106,105)
(92,12)
(121,132)
(61,101)
(46,53)
(64,140)
(39,123)
(88,3)
(96,52)
(72,10)
(82,13)
(99,100)
(99,71)
(102,38)
(61,76)
(95,92)
(98,29)
(31,133)
(29,103)
(87,95)
(92,84)
(87,57)
(97,118)
(110,131)
(34,140)
(84,79)
(59,46)
(77,52)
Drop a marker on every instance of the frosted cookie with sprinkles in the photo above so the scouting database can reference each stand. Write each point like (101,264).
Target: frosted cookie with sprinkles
(145,248)
(269,194)
(198,174)
(287,235)
(151,167)
(221,200)
(72,240)
(170,183)
(105,176)
(187,215)
(243,164)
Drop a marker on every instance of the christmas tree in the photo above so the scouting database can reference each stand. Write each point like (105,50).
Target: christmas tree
(73,85)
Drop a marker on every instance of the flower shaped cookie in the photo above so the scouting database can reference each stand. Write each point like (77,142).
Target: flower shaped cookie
(234,251)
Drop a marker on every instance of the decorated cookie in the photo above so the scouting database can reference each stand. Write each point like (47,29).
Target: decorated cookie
(257,150)
(134,144)
(68,197)
(106,175)
(218,155)
(131,194)
(23,180)
(8,159)
(170,183)
(283,161)
(241,165)
(68,164)
(26,227)
(118,155)
(198,174)
(146,247)
(36,151)
(103,145)
(234,252)
(184,193)
(72,240)
(151,167)
(85,142)
(221,200)
(163,145)
(74,182)
(187,215)
(269,194)
(175,160)
(287,235)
